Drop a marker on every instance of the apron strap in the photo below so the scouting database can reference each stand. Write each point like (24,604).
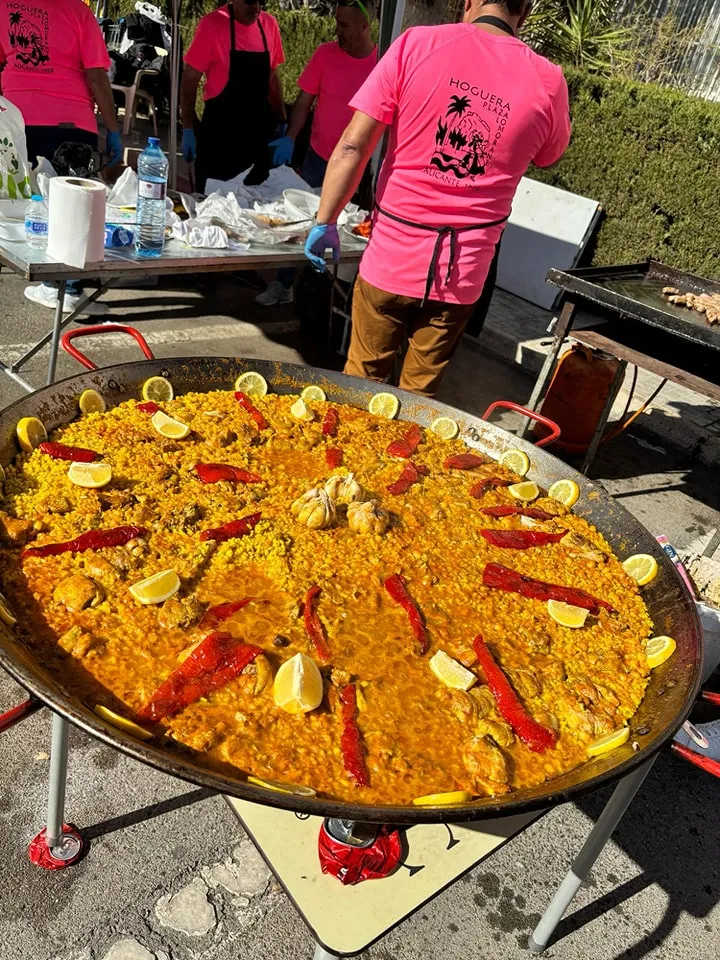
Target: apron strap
(262,34)
(496,22)
(442,232)
(266,49)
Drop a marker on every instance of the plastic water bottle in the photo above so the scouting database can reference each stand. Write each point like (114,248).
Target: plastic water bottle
(152,168)
(36,222)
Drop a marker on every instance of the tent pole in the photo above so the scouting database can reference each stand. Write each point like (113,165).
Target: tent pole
(174,91)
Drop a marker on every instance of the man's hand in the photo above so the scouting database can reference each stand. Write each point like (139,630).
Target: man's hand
(189,145)
(282,150)
(322,236)
(113,147)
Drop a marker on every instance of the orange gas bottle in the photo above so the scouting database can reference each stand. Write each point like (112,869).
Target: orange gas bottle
(577,396)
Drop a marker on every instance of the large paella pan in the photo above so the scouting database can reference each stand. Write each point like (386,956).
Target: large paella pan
(403,586)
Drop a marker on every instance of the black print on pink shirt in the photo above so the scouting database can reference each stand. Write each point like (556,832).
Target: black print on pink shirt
(28,32)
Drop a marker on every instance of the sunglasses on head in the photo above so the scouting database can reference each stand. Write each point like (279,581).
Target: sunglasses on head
(356,3)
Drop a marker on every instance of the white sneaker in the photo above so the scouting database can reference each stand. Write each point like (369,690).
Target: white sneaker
(275,294)
(47,296)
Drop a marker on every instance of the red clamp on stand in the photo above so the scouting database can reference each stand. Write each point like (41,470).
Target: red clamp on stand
(70,335)
(353,851)
(545,421)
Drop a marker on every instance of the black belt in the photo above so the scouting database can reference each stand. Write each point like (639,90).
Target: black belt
(441,232)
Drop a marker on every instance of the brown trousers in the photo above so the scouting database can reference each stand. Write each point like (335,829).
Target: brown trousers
(380,323)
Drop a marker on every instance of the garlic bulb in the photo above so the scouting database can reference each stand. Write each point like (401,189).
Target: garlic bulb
(344,489)
(368,517)
(314,509)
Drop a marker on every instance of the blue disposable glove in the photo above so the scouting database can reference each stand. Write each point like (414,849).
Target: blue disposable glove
(113,148)
(189,145)
(322,236)
(282,150)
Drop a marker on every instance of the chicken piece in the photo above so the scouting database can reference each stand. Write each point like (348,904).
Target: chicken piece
(484,700)
(261,670)
(185,517)
(499,731)
(116,499)
(59,505)
(137,547)
(78,592)
(553,507)
(99,567)
(579,546)
(77,642)
(525,683)
(226,437)
(463,706)
(339,677)
(162,472)
(181,613)
(486,764)
(669,290)
(585,691)
(13,532)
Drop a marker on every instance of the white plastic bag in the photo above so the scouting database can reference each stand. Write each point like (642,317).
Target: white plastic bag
(124,191)
(15,174)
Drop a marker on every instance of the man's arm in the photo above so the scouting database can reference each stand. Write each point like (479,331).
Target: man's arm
(97,81)
(275,97)
(347,164)
(299,114)
(188,95)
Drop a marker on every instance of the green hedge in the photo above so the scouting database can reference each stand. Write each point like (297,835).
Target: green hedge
(651,157)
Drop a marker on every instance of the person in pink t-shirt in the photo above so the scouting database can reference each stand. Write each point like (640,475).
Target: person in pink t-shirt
(468,107)
(332,77)
(238,49)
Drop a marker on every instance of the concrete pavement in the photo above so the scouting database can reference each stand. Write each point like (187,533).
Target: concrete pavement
(169,874)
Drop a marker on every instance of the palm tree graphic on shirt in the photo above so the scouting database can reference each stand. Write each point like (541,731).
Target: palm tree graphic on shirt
(27,40)
(461,140)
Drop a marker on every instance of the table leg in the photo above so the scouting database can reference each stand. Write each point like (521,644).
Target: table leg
(322,954)
(333,286)
(57,327)
(604,416)
(564,323)
(592,848)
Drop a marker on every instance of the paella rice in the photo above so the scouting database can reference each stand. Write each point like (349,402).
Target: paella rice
(351,586)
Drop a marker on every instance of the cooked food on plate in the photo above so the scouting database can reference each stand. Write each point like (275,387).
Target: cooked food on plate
(705,303)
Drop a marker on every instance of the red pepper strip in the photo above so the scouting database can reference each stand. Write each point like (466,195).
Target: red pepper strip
(506,510)
(407,446)
(411,473)
(59,451)
(213,472)
(217,660)
(92,540)
(465,461)
(330,422)
(395,586)
(314,627)
(333,457)
(480,488)
(350,742)
(150,407)
(223,611)
(236,528)
(533,735)
(502,578)
(520,539)
(244,401)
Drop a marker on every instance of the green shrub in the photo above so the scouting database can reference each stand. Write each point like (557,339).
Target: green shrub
(649,155)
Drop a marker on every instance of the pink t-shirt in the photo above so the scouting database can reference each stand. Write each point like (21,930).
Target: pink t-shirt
(46,46)
(334,77)
(210,49)
(468,111)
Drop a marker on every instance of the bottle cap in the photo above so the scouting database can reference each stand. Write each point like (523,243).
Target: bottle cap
(154,141)
(37,196)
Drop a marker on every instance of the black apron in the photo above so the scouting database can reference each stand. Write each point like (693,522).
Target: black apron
(238,123)
(447,231)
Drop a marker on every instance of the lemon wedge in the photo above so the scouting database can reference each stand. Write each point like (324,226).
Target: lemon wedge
(384,405)
(30,432)
(122,723)
(443,799)
(658,650)
(252,383)
(158,389)
(92,402)
(167,427)
(301,411)
(90,475)
(565,492)
(445,428)
(6,614)
(156,589)
(298,685)
(566,614)
(281,787)
(527,490)
(313,393)
(609,742)
(516,461)
(450,672)
(641,567)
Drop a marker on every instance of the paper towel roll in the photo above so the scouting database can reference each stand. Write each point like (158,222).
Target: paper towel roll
(76,221)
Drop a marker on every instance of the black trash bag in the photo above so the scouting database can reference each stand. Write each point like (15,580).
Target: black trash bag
(75,160)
